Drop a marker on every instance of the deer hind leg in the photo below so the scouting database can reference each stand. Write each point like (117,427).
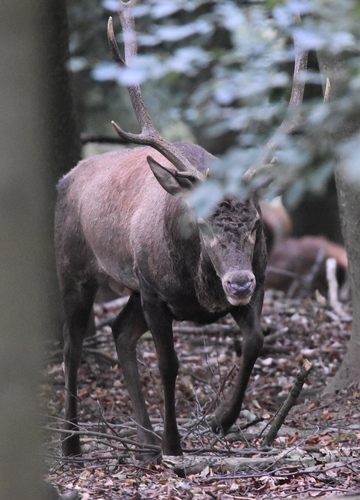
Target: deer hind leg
(78,298)
(127,328)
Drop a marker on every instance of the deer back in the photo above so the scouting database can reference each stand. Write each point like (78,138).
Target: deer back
(113,204)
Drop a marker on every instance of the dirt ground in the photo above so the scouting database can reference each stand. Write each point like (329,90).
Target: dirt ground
(316,453)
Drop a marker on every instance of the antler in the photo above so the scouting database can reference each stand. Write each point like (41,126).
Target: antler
(149,134)
(292,121)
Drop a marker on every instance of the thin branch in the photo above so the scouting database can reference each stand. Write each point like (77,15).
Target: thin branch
(288,403)
(317,469)
(103,435)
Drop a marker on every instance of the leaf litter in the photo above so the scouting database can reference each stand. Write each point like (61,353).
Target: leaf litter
(316,452)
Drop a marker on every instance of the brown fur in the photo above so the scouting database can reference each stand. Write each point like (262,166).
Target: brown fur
(115,222)
(305,259)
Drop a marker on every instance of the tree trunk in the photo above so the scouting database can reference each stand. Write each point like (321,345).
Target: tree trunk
(348,189)
(29,109)
(64,140)
(349,203)
(65,137)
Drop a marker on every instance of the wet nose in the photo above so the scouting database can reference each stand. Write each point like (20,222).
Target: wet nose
(239,287)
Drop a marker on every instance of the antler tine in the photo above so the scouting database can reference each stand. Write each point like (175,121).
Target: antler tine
(293,120)
(149,134)
(128,26)
(115,52)
(137,100)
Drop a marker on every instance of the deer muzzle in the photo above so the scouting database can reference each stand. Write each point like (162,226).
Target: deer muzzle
(239,287)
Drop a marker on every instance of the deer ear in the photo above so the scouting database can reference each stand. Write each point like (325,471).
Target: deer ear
(168,179)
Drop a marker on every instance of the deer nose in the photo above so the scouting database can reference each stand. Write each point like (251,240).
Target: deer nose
(239,287)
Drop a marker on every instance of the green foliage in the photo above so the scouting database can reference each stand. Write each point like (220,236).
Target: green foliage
(227,66)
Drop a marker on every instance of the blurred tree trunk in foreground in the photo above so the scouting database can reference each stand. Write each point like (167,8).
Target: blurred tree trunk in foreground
(65,144)
(33,117)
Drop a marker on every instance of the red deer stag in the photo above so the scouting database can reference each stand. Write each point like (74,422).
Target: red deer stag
(122,217)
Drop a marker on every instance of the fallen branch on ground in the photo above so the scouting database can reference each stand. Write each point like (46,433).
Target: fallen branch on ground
(109,437)
(195,464)
(288,403)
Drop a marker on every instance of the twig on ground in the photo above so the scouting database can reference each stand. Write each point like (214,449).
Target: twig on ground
(288,403)
(195,464)
(275,472)
(110,437)
(199,422)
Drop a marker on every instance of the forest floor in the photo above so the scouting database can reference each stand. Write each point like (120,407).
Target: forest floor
(316,453)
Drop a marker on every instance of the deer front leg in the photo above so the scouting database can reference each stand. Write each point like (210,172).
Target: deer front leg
(159,320)
(248,319)
(127,329)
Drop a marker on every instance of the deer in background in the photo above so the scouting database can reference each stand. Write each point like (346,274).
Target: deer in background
(297,266)
(122,217)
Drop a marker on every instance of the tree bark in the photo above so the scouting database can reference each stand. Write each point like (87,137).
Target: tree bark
(348,189)
(65,137)
(28,165)
(64,140)
(349,203)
